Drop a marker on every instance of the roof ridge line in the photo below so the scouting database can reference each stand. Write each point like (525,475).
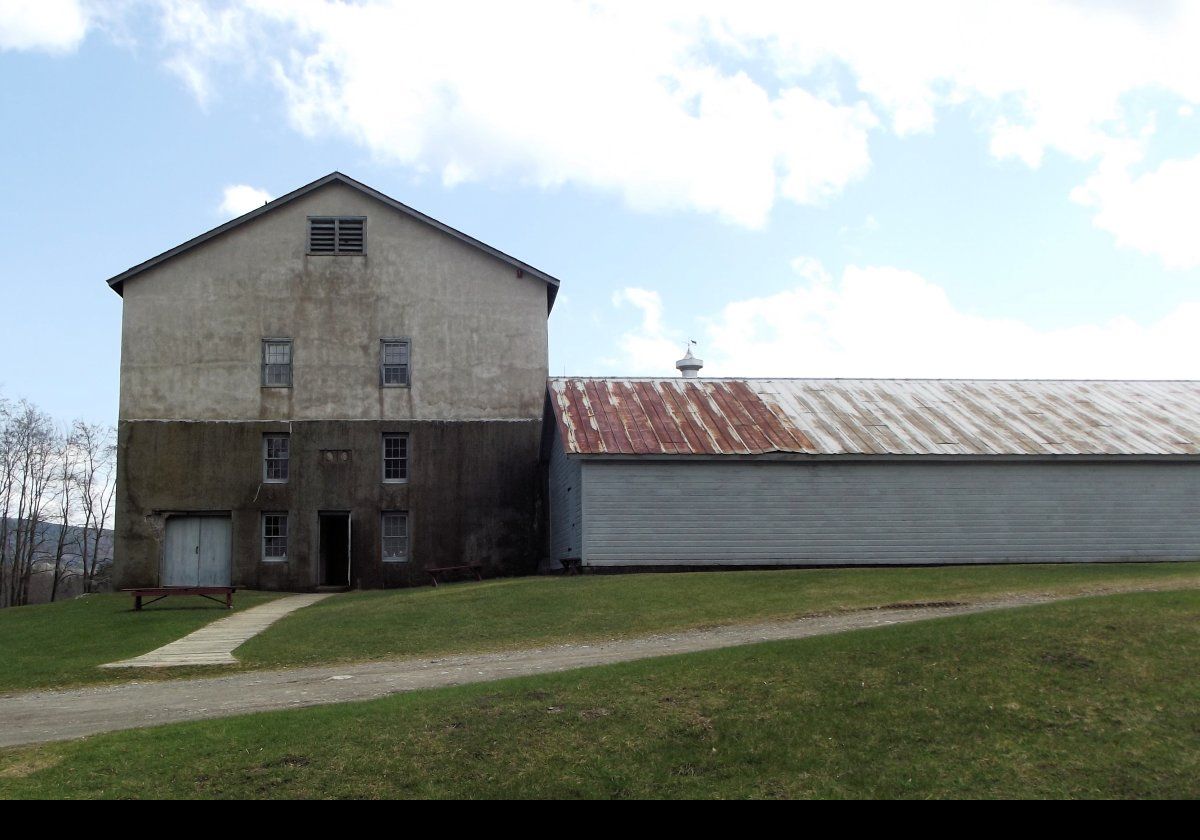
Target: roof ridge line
(117,282)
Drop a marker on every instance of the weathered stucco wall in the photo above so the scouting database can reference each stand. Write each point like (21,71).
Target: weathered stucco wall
(193,411)
(472,495)
(193,326)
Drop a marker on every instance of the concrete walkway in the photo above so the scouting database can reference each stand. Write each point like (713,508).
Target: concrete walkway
(63,715)
(214,643)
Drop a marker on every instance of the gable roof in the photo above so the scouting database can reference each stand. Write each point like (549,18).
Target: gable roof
(876,417)
(552,283)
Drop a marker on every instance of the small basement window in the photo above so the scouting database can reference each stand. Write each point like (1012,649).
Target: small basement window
(395,536)
(395,458)
(277,363)
(274,537)
(333,235)
(393,365)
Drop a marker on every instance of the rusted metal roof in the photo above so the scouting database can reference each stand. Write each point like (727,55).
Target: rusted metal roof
(867,417)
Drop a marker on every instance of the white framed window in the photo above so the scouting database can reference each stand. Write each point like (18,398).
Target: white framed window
(274,537)
(277,363)
(394,356)
(334,235)
(276,458)
(395,458)
(395,536)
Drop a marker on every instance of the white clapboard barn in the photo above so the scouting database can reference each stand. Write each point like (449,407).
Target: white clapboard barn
(694,472)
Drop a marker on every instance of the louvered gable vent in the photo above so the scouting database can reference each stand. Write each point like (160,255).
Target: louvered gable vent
(336,235)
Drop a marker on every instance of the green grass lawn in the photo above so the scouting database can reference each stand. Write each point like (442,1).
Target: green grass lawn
(526,612)
(62,643)
(1091,698)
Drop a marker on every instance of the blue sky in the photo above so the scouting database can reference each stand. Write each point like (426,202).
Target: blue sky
(804,189)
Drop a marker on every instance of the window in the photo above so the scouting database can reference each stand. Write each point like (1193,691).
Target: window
(393,365)
(277,363)
(337,235)
(395,458)
(395,537)
(275,536)
(276,451)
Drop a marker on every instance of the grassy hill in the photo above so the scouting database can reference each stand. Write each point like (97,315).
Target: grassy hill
(1088,698)
(527,612)
(59,645)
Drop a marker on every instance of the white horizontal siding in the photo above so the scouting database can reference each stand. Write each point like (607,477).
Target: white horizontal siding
(654,512)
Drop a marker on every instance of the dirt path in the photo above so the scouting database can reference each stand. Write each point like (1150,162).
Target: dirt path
(63,715)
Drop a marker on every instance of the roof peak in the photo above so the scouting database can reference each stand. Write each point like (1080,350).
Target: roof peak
(117,282)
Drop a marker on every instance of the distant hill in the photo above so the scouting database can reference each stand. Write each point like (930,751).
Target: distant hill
(48,533)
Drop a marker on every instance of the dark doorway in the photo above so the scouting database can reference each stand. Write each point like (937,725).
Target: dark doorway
(335,549)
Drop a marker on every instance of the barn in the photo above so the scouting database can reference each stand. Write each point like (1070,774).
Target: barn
(694,472)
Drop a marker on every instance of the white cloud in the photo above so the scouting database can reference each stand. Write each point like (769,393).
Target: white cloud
(702,106)
(649,346)
(1156,213)
(706,106)
(886,322)
(55,26)
(615,98)
(197,37)
(241,198)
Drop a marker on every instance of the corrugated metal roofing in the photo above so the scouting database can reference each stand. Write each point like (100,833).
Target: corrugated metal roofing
(877,417)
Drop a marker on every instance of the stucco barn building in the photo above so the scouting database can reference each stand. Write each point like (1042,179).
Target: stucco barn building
(745,472)
(331,390)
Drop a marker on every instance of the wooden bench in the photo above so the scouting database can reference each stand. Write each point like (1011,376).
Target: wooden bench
(157,593)
(474,568)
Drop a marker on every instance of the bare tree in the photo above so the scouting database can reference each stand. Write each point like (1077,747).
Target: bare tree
(56,500)
(96,477)
(28,440)
(8,471)
(66,456)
